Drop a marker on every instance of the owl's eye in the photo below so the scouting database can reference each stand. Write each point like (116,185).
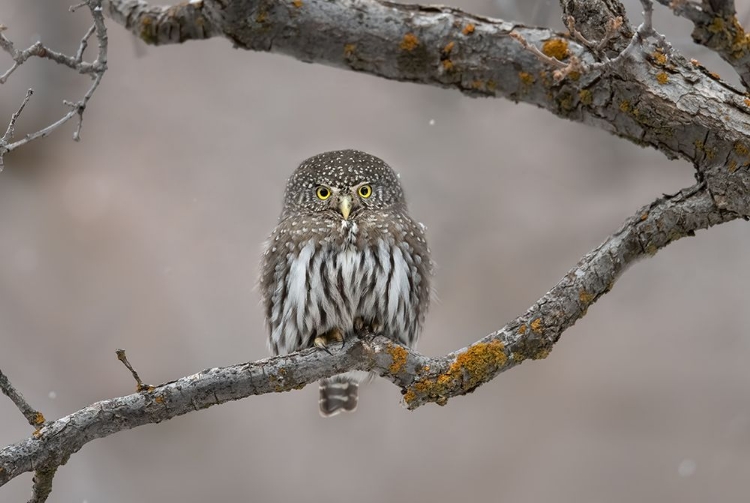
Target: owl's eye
(365,191)
(323,193)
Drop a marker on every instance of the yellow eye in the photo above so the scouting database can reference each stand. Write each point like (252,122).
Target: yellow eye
(365,191)
(323,193)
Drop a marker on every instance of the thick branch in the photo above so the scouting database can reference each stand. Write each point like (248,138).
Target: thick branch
(594,16)
(422,379)
(651,99)
(716,27)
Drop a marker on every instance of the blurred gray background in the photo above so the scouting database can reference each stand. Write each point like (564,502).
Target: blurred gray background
(147,234)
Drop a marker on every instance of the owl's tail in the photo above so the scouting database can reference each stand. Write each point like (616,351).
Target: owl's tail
(338,394)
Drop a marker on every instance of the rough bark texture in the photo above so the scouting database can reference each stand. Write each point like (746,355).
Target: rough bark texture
(651,96)
(655,99)
(422,379)
(717,27)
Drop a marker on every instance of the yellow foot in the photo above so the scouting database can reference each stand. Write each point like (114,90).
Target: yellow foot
(327,339)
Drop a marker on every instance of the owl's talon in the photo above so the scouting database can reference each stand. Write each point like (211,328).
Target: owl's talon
(376,327)
(327,339)
(320,343)
(359,324)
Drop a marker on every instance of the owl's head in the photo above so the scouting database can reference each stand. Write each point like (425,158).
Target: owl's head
(342,184)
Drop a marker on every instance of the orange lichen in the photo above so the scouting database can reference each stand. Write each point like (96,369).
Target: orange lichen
(518,357)
(39,418)
(625,106)
(159,399)
(741,149)
(447,64)
(555,48)
(585,96)
(747,102)
(147,31)
(536,326)
(477,84)
(297,3)
(409,42)
(349,50)
(37,433)
(448,47)
(468,29)
(732,166)
(261,17)
(522,329)
(662,78)
(585,297)
(476,365)
(409,397)
(541,354)
(715,75)
(526,78)
(566,102)
(644,216)
(491,85)
(659,58)
(398,355)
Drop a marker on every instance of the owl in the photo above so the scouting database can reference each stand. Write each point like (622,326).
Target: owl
(344,257)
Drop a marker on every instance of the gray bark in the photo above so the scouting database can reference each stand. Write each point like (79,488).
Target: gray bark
(631,86)
(422,379)
(663,101)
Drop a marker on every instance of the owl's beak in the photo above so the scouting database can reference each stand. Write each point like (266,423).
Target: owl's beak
(345,206)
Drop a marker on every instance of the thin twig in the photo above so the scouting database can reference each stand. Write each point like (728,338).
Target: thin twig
(95,69)
(8,136)
(84,43)
(33,416)
(139,384)
(644,31)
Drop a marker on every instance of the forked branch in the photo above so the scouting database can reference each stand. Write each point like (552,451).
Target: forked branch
(94,69)
(422,379)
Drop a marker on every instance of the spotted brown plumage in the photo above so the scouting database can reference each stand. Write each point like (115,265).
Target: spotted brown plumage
(344,255)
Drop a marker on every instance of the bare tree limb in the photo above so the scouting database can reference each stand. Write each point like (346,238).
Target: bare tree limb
(139,384)
(422,379)
(659,100)
(33,416)
(42,485)
(42,478)
(94,69)
(716,27)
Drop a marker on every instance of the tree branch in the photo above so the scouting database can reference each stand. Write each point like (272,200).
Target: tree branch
(42,485)
(33,416)
(94,69)
(421,379)
(716,27)
(657,99)
(42,478)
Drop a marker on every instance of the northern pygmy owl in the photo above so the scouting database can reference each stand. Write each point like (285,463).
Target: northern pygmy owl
(345,256)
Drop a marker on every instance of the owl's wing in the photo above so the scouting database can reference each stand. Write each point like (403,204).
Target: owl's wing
(272,265)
